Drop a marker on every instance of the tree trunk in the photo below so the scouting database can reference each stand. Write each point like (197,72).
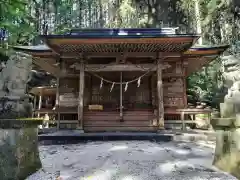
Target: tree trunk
(198,21)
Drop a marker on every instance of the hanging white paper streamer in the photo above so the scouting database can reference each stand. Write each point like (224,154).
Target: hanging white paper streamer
(139,81)
(112,86)
(101,83)
(126,86)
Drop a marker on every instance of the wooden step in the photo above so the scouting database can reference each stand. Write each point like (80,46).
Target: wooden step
(111,129)
(118,123)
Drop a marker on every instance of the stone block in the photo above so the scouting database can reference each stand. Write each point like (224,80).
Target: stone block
(19,155)
(222,122)
(227,151)
(237,121)
(227,110)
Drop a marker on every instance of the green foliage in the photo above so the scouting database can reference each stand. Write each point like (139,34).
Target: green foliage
(219,23)
(15,18)
(206,86)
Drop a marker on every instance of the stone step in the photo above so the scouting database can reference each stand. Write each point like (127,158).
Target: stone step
(75,136)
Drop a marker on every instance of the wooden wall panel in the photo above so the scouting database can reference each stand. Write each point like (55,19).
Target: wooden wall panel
(137,97)
(132,97)
(174,70)
(110,121)
(68,92)
(103,96)
(173,86)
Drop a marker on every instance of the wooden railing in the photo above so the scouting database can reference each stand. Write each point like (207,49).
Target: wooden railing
(186,116)
(131,118)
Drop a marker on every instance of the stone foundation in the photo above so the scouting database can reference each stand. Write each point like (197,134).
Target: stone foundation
(19,155)
(227,152)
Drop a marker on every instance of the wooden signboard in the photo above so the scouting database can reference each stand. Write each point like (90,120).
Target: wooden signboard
(95,107)
(68,99)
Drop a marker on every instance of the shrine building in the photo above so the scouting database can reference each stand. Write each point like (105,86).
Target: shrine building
(118,79)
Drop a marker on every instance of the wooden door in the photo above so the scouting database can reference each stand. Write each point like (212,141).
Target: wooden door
(135,117)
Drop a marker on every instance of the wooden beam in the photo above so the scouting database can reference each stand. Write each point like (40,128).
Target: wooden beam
(160,92)
(121,58)
(81,94)
(46,66)
(120,67)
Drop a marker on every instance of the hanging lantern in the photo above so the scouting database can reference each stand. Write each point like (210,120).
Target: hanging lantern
(112,86)
(139,81)
(126,86)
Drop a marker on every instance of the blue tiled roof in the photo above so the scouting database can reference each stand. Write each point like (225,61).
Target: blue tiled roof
(45,48)
(121,33)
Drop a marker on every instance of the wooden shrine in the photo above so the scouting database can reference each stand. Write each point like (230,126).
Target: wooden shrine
(120,79)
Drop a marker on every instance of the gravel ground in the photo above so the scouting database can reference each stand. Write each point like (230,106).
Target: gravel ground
(128,160)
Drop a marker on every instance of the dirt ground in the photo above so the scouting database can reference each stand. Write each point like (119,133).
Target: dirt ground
(128,160)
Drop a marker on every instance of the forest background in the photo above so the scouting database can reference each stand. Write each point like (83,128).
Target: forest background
(218,21)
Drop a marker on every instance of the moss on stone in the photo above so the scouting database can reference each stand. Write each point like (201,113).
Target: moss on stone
(19,155)
(19,123)
(227,151)
(230,163)
(27,153)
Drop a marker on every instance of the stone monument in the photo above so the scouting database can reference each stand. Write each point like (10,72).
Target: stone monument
(13,79)
(227,152)
(19,156)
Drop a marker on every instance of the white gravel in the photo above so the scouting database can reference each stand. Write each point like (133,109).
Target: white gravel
(128,160)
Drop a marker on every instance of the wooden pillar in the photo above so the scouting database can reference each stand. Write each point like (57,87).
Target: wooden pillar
(153,91)
(39,103)
(34,102)
(121,97)
(184,65)
(34,105)
(90,89)
(81,94)
(57,103)
(160,93)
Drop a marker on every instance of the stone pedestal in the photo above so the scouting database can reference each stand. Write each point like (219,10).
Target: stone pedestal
(227,152)
(19,155)
(227,110)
